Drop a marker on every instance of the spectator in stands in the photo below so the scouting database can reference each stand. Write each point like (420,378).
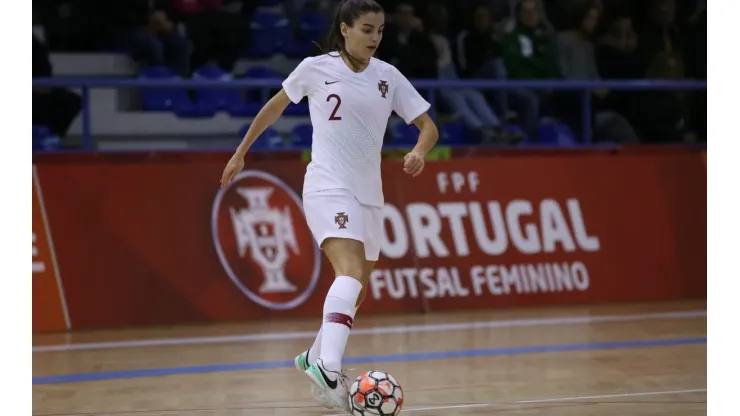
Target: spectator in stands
(148,33)
(575,51)
(70,25)
(529,54)
(695,58)
(512,17)
(217,29)
(616,57)
(479,52)
(661,33)
(528,49)
(560,12)
(55,108)
(695,53)
(468,103)
(577,61)
(616,54)
(406,46)
(664,116)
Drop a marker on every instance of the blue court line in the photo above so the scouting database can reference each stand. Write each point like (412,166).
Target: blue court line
(71,378)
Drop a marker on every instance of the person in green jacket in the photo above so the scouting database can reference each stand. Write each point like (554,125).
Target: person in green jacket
(528,51)
(528,54)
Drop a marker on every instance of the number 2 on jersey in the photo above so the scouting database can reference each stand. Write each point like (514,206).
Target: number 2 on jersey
(333,115)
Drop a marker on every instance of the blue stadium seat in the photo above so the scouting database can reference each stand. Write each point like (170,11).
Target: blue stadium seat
(44,139)
(299,110)
(313,26)
(269,139)
(452,134)
(40,131)
(405,134)
(267,18)
(555,133)
(222,99)
(254,97)
(260,48)
(244,109)
(271,33)
(191,109)
(286,42)
(161,99)
(314,20)
(516,129)
(262,72)
(230,100)
(302,135)
(176,100)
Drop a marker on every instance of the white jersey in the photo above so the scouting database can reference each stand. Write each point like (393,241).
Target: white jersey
(349,112)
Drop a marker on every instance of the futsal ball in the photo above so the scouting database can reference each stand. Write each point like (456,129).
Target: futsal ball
(375,393)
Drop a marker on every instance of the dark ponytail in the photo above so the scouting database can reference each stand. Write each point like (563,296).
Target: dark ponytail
(348,11)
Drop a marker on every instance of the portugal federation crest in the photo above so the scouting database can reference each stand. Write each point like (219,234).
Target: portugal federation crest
(341,219)
(383,88)
(270,257)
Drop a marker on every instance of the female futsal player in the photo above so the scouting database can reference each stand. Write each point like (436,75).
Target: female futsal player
(351,95)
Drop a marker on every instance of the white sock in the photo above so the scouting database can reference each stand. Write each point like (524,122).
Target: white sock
(313,353)
(339,314)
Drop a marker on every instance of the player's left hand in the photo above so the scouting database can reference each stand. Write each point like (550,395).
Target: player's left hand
(413,164)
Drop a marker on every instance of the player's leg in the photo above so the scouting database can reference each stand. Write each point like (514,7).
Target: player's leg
(373,217)
(335,219)
(310,356)
(366,270)
(347,258)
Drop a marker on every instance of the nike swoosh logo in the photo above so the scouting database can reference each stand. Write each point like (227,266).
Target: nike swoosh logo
(331,383)
(329,83)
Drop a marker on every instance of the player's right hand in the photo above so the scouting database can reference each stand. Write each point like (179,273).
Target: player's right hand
(235,165)
(413,163)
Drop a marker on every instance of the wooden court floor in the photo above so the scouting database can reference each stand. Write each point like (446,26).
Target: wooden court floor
(647,359)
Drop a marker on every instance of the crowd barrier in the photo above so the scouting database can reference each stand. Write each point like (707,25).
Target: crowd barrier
(134,240)
(430,86)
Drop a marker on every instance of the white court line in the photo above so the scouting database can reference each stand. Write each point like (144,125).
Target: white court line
(421,409)
(405,329)
(608,396)
(551,400)
(459,406)
(52,250)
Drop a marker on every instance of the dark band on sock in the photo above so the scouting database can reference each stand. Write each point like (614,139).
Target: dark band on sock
(339,318)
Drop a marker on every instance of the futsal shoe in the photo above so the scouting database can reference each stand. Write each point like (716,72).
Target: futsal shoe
(331,384)
(301,364)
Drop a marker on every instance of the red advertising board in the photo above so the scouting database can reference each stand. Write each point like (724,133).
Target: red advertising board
(157,242)
(48,300)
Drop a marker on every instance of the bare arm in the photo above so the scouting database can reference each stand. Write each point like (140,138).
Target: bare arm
(428,136)
(414,161)
(267,116)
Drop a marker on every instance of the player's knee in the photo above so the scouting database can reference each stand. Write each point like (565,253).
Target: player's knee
(347,257)
(349,269)
(361,298)
(348,264)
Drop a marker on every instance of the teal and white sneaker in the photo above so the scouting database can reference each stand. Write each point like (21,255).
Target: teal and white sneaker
(301,364)
(331,384)
(301,361)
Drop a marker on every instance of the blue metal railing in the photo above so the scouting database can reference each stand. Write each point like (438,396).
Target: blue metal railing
(85,84)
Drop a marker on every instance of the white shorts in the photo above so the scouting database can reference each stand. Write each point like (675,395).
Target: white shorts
(336,213)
